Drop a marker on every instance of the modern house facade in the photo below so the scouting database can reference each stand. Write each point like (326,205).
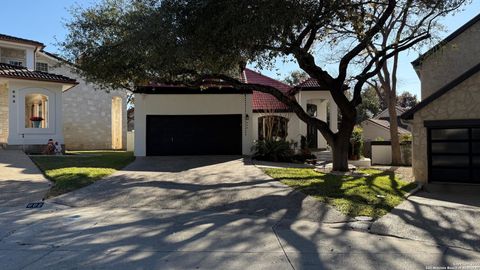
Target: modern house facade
(172,120)
(42,98)
(446,123)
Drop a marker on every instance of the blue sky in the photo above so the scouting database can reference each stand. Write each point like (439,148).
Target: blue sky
(43,20)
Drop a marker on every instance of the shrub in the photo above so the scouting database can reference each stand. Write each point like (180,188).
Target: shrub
(273,150)
(356,143)
(407,137)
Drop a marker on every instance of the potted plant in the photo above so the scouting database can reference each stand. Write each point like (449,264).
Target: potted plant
(36,120)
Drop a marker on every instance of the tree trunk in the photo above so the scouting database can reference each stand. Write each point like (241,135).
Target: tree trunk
(395,141)
(341,145)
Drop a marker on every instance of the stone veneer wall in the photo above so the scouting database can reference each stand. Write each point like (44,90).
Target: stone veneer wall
(450,61)
(3,113)
(87,112)
(459,103)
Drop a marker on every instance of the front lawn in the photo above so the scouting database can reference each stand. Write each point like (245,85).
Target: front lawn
(80,168)
(374,194)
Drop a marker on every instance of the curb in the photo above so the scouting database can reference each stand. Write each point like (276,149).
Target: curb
(413,191)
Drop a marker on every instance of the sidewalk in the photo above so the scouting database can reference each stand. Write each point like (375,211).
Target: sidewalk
(94,237)
(21,181)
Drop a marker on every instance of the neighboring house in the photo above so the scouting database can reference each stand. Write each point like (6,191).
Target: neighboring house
(378,127)
(174,120)
(446,123)
(35,83)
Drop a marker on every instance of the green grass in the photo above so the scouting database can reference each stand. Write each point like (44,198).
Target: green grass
(73,172)
(373,195)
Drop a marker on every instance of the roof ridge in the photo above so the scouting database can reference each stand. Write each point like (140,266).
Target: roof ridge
(268,77)
(18,39)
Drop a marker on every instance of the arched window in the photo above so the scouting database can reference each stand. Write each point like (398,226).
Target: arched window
(36,111)
(272,127)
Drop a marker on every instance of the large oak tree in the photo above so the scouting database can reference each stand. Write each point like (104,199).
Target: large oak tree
(120,43)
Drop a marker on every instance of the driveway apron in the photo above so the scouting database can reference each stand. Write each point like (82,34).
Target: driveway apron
(208,183)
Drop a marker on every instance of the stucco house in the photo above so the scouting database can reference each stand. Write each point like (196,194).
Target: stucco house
(174,120)
(446,123)
(37,85)
(379,126)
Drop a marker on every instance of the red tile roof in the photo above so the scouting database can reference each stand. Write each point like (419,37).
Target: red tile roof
(263,101)
(310,83)
(22,73)
(21,40)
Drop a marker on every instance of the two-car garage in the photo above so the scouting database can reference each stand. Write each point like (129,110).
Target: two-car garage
(194,135)
(186,121)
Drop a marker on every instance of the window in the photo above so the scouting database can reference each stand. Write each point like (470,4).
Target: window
(15,63)
(41,67)
(36,111)
(272,127)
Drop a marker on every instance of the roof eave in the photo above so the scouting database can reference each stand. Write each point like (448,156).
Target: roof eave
(418,62)
(41,80)
(408,115)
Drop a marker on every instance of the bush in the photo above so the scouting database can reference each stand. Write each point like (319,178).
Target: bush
(273,150)
(407,137)
(356,143)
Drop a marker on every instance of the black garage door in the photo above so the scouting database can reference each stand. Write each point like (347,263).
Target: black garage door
(194,135)
(454,154)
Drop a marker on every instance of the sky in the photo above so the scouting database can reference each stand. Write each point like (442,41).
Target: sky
(43,20)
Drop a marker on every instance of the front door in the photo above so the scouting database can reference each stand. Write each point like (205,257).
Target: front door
(312,138)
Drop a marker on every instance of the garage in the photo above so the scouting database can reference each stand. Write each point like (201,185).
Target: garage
(194,134)
(454,151)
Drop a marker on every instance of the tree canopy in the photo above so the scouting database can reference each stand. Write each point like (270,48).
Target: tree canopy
(121,43)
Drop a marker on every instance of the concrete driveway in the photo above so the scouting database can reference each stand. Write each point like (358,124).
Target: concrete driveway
(207,183)
(21,182)
(200,213)
(442,214)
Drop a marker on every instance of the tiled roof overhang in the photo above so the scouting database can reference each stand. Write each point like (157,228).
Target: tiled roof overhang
(22,73)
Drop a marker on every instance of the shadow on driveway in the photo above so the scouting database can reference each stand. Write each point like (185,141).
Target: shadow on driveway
(443,214)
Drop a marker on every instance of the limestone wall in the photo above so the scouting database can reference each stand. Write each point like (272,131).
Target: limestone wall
(3,113)
(459,103)
(450,61)
(87,112)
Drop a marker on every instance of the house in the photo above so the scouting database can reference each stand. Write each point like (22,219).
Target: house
(175,120)
(378,127)
(446,123)
(37,85)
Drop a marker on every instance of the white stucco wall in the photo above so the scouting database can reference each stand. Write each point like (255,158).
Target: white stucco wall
(382,154)
(191,104)
(18,134)
(372,131)
(322,99)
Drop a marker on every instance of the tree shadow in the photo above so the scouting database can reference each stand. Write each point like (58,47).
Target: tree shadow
(193,220)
